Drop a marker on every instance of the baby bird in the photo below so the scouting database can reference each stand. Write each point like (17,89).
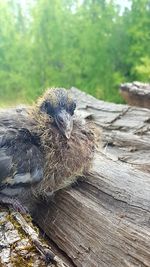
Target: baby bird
(44,149)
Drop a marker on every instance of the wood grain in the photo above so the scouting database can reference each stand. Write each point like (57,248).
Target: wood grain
(104,220)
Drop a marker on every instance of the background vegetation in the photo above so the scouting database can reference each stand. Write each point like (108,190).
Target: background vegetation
(89,44)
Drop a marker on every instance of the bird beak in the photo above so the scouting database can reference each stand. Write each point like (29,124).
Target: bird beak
(64,122)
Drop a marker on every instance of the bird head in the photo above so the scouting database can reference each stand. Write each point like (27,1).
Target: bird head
(59,104)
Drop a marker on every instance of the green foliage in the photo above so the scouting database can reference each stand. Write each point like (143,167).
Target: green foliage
(143,70)
(65,43)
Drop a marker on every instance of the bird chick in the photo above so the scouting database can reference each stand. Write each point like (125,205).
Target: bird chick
(59,106)
(45,149)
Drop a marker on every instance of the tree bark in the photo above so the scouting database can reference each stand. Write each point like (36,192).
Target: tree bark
(21,244)
(136,94)
(104,219)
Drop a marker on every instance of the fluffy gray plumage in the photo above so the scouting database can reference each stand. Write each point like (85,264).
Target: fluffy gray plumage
(43,148)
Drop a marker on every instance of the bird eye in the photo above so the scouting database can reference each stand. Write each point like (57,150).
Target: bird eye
(72,108)
(47,108)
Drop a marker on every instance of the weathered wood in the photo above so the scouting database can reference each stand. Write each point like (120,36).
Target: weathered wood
(44,250)
(104,220)
(21,245)
(136,94)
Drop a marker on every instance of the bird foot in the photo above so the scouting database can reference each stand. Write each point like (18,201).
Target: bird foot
(17,206)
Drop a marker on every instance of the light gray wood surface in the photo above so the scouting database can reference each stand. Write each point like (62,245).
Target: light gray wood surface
(104,220)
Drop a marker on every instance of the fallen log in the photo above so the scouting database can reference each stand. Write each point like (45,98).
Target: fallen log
(136,94)
(104,219)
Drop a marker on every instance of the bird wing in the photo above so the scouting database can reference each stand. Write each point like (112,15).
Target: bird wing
(5,165)
(21,160)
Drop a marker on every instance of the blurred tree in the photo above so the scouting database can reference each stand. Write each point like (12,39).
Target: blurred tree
(13,51)
(89,44)
(139,35)
(143,70)
(71,44)
(135,36)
